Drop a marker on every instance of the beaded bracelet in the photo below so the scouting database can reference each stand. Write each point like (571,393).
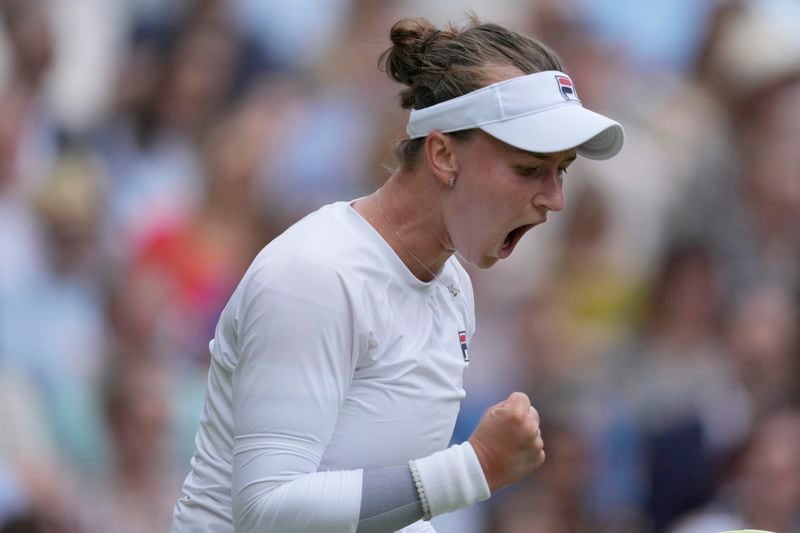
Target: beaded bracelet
(423,498)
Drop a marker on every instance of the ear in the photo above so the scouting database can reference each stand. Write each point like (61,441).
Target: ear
(441,156)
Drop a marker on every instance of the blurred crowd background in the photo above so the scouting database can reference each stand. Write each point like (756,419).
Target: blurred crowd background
(149,149)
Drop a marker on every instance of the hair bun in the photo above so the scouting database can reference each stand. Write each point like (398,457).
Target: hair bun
(410,38)
(437,65)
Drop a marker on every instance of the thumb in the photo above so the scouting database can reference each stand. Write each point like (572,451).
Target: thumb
(518,401)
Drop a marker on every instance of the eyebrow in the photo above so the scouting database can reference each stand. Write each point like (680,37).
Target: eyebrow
(544,157)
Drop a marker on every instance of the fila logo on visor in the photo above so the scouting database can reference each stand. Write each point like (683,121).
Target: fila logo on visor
(567,88)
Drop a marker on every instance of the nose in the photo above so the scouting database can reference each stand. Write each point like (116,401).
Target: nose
(551,195)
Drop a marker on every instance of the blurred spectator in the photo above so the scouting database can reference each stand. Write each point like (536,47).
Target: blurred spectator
(750,219)
(744,202)
(25,442)
(28,130)
(691,409)
(34,488)
(327,149)
(601,301)
(764,492)
(750,45)
(137,492)
(187,270)
(172,92)
(56,332)
(764,346)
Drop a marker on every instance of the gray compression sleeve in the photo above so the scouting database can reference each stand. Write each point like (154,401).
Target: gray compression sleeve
(389,500)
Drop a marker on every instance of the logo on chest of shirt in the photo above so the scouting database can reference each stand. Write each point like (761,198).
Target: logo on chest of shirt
(462,339)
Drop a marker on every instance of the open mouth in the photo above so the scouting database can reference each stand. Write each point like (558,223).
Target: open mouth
(512,239)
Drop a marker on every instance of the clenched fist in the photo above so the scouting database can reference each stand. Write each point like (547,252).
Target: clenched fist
(508,442)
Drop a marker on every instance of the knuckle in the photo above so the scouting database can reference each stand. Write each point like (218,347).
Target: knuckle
(542,457)
(518,417)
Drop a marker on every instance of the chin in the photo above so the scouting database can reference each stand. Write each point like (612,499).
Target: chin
(485,262)
(480,259)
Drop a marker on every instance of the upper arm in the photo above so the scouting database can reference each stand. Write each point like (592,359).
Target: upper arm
(296,351)
(295,344)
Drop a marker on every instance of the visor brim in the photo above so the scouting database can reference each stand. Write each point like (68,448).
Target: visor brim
(566,127)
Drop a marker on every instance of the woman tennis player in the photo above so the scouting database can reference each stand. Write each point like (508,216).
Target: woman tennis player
(336,368)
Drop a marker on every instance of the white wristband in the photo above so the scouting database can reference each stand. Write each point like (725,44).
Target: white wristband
(451,479)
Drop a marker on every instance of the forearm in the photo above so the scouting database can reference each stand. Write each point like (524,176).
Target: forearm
(389,500)
(445,481)
(368,501)
(319,501)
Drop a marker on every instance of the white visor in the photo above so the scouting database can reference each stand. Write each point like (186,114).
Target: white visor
(538,112)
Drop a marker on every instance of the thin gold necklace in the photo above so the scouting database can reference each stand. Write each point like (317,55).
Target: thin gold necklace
(454,290)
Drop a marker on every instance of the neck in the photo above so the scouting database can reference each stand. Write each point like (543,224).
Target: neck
(411,204)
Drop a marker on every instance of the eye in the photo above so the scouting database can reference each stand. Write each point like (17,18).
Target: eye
(562,171)
(528,171)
